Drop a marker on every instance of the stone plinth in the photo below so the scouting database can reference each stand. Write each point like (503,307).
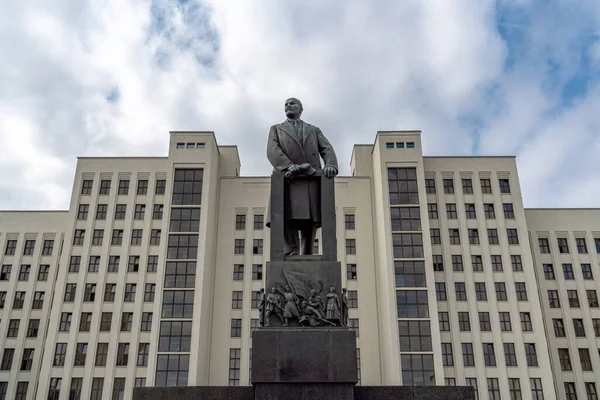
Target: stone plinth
(194,393)
(304,355)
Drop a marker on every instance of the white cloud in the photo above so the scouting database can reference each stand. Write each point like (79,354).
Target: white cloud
(227,66)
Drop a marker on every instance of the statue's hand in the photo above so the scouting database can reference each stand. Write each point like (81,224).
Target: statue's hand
(304,166)
(329,172)
(292,170)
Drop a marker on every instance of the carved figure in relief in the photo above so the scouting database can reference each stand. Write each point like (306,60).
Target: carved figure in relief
(290,308)
(333,306)
(273,305)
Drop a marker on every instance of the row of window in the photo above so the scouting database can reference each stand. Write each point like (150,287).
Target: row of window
(117,237)
(182,145)
(237,299)
(590,391)
(19,300)
(467,185)
(26,361)
(514,388)
(28,249)
(512,236)
(464,321)
(81,350)
(564,358)
(89,294)
(24,272)
(563,245)
(133,264)
(259,222)
(573,296)
(489,355)
(586,271)
(400,145)
(489,211)
(480,291)
(578,327)
(33,328)
(477,263)
(123,189)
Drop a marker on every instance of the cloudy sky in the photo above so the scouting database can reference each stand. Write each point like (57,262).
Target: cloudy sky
(478,77)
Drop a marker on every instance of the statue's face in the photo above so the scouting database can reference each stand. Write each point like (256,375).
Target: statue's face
(313,292)
(293,108)
(273,290)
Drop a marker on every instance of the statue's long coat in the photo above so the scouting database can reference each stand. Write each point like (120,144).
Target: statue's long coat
(284,148)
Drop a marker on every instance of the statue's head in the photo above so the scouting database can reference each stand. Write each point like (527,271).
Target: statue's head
(332,289)
(344,290)
(262,290)
(288,288)
(273,289)
(313,292)
(293,108)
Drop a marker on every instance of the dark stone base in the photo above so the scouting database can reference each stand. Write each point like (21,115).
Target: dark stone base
(304,355)
(308,391)
(327,273)
(304,391)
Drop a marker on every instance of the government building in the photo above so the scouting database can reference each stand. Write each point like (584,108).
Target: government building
(152,276)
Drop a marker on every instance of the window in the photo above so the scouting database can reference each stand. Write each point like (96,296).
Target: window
(11,246)
(514,387)
(448,186)
(493,236)
(43,272)
(113,263)
(407,273)
(352,299)
(559,327)
(90,292)
(461,292)
(352,323)
(417,370)
(486,186)
(402,183)
(570,391)
(109,292)
(175,336)
(473,236)
(105,322)
(70,291)
(21,391)
(513,237)
(568,271)
(581,245)
(161,185)
(2,299)
(531,355)
(236,327)
(500,291)
(349,221)
(181,274)
(586,361)
(489,356)
(97,385)
(405,218)
(590,391)
(509,212)
(526,322)
(24,272)
(238,272)
(29,247)
(435,236)
(140,211)
(430,185)
(105,186)
(129,295)
(351,245)
(470,211)
(33,328)
(85,322)
(597,243)
(259,222)
(101,210)
(142,187)
(149,292)
(473,383)
(238,246)
(118,389)
(152,264)
(101,354)
(257,246)
(187,188)
(97,237)
(467,185)
(548,272)
(146,325)
(573,298)
(86,187)
(553,299)
(488,211)
(120,211)
(155,237)
(54,390)
(178,304)
(157,212)
(447,357)
(59,354)
(38,301)
(405,245)
(438,262)
(414,335)
(467,352)
(410,145)
(521,291)
(484,321)
(565,360)
(563,247)
(78,237)
(505,323)
(410,303)
(477,263)
(586,271)
(504,186)
(123,187)
(13,328)
(117,237)
(136,237)
(122,354)
(440,291)
(80,354)
(444,320)
(497,263)
(240,222)
(544,245)
(432,211)
(234,367)
(480,293)
(172,370)
(186,220)
(19,300)
(65,322)
(143,354)
(454,236)
(126,321)
(592,298)
(464,323)
(451,211)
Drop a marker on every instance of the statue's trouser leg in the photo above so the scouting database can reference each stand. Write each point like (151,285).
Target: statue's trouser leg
(290,237)
(307,237)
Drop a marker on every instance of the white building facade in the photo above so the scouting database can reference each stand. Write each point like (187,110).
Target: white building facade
(151,277)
